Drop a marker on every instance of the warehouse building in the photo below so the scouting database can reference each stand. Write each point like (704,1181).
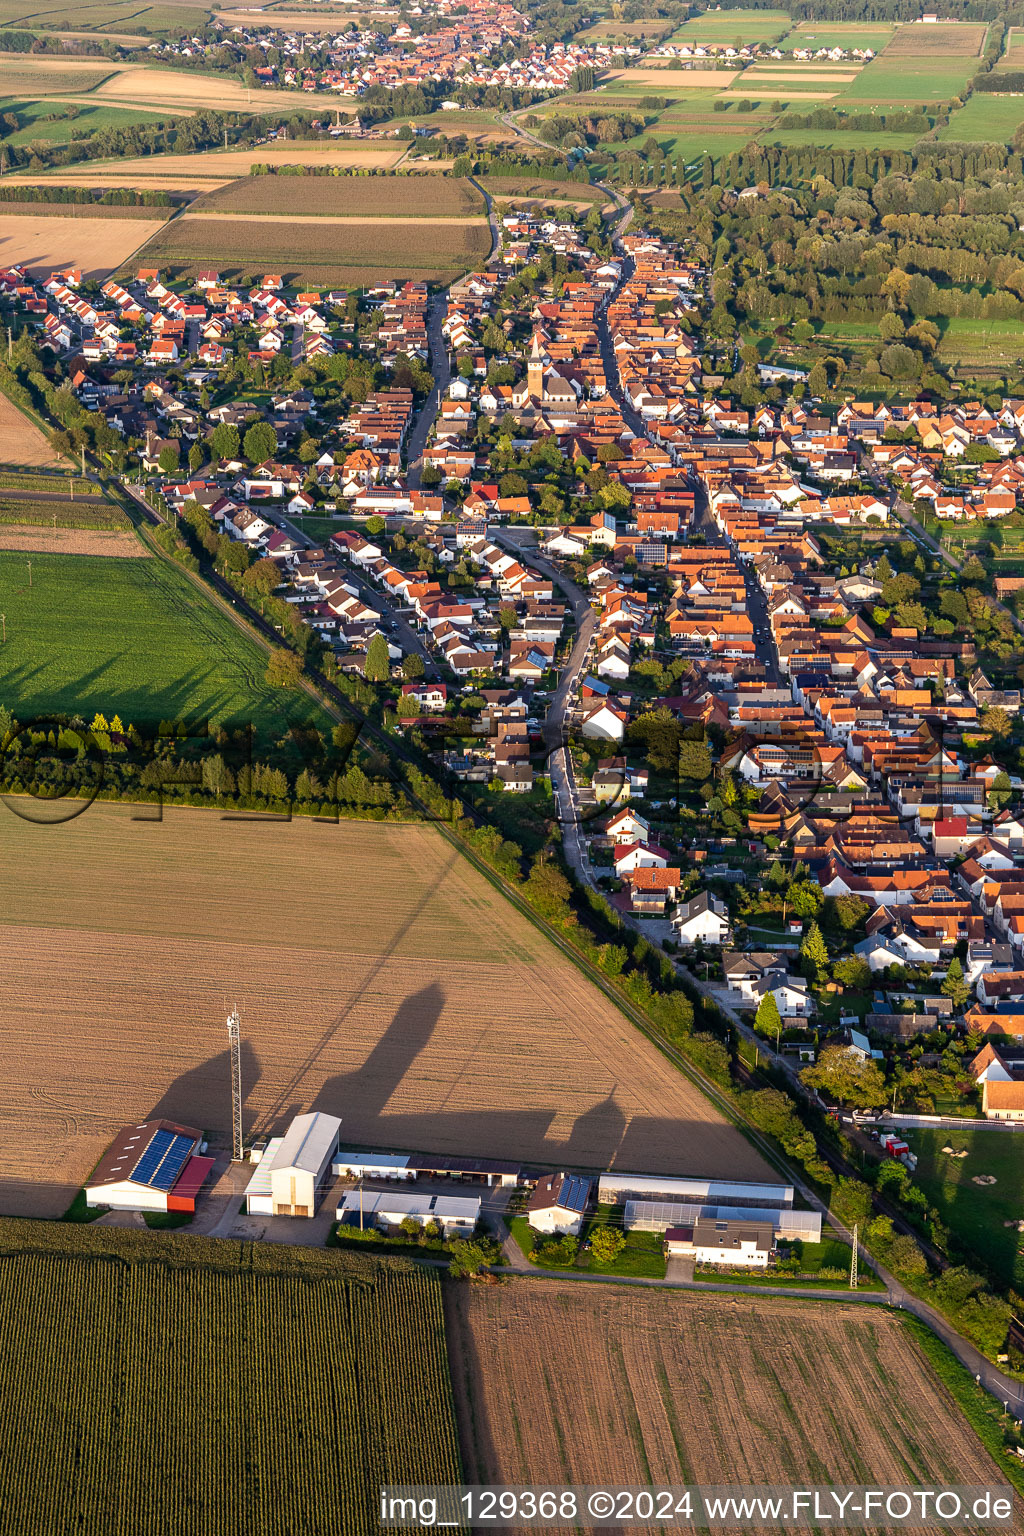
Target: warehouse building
(618,1188)
(295,1169)
(152,1166)
(659,1215)
(456,1214)
(356,1163)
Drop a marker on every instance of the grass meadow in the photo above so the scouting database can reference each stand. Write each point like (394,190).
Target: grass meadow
(976,1212)
(131,637)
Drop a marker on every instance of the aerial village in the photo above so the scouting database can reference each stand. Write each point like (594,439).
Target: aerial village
(785,761)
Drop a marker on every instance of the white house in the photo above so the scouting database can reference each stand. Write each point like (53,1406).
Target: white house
(701,919)
(733,1243)
(604,723)
(558,1203)
(631,856)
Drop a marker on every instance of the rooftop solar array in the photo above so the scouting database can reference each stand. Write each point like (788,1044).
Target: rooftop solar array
(162,1160)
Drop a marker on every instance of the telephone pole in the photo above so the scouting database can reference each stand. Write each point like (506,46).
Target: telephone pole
(853,1262)
(235,1048)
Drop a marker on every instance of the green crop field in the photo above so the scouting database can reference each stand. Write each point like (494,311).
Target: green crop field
(821,138)
(838,34)
(83,512)
(981,343)
(162,1383)
(986,118)
(728,26)
(897,82)
(86,120)
(975,1212)
(131,637)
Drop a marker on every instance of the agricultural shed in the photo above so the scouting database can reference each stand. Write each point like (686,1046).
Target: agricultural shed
(659,1215)
(257,1191)
(300,1169)
(617,1188)
(149,1167)
(354,1163)
(457,1214)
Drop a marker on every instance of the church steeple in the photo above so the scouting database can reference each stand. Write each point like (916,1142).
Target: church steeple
(535,369)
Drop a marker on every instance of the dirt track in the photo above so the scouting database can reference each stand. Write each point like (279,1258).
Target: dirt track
(567,1382)
(377,975)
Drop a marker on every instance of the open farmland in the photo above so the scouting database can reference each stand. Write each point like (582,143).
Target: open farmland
(1013,53)
(311,250)
(669,82)
(921,63)
(976,1213)
(838,34)
(135,85)
(557,1382)
(405,197)
(21,442)
(378,976)
(48,121)
(213,168)
(730,26)
(37,538)
(24,75)
(95,245)
(82,512)
(985,118)
(131,1376)
(131,637)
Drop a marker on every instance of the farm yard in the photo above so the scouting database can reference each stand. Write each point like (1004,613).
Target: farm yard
(129,1374)
(396,197)
(22,444)
(313,250)
(131,637)
(378,977)
(96,245)
(578,1384)
(976,1213)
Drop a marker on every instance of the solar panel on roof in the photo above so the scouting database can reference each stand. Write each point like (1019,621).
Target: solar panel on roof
(153,1156)
(173,1163)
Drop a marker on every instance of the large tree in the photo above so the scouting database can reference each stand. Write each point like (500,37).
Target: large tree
(845,1076)
(260,442)
(377,666)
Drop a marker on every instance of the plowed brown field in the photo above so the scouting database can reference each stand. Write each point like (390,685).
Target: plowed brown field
(558,1382)
(378,976)
(21,442)
(95,245)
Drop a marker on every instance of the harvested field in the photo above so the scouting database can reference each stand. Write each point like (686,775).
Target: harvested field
(95,245)
(1013,53)
(21,441)
(377,974)
(136,85)
(556,1382)
(391,197)
(32,539)
(420,249)
(950,39)
(520,188)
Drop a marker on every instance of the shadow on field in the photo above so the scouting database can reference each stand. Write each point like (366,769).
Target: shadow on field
(188,1099)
